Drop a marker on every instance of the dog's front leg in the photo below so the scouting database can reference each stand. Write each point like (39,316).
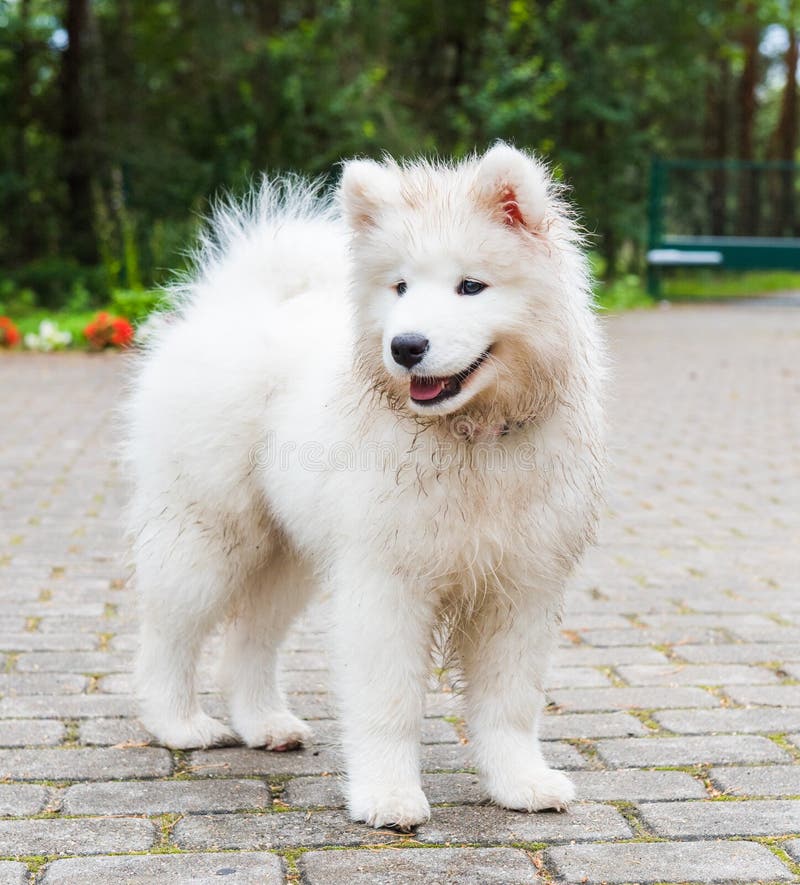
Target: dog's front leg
(505,650)
(383,640)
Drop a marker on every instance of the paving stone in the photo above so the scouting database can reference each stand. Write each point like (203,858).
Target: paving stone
(756,817)
(39,732)
(233,868)
(720,749)
(108,732)
(758,780)
(639,636)
(418,866)
(74,662)
(327,792)
(13,873)
(576,677)
(597,656)
(78,765)
(765,695)
(159,797)
(242,761)
(75,836)
(270,830)
(66,706)
(48,641)
(666,862)
(21,800)
(490,825)
(584,699)
(793,849)
(635,785)
(691,674)
(749,721)
(739,653)
(41,683)
(590,725)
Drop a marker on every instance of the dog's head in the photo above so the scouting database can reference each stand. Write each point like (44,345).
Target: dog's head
(468,281)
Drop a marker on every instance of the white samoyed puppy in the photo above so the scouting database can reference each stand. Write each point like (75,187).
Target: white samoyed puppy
(393,392)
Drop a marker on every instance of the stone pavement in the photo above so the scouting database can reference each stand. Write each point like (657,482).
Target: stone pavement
(675,696)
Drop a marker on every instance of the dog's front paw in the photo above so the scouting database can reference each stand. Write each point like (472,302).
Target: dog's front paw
(537,790)
(278,730)
(401,809)
(200,731)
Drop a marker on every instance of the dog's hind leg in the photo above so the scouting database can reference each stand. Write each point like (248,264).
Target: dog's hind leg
(263,612)
(184,576)
(505,648)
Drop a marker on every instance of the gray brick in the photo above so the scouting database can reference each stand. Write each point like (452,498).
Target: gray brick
(67,706)
(793,849)
(418,866)
(48,641)
(635,785)
(107,732)
(719,749)
(13,873)
(696,674)
(77,765)
(489,825)
(758,780)
(39,732)
(757,817)
(241,761)
(576,677)
(639,636)
(749,721)
(739,653)
(234,868)
(584,699)
(327,792)
(666,862)
(74,662)
(590,725)
(451,757)
(21,800)
(264,831)
(159,797)
(766,695)
(84,836)
(41,683)
(598,656)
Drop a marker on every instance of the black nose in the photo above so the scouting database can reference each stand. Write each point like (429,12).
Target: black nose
(409,348)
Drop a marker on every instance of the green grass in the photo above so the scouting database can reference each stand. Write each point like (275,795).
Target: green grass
(67,322)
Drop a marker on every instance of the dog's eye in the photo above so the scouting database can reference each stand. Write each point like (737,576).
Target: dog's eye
(401,287)
(470,287)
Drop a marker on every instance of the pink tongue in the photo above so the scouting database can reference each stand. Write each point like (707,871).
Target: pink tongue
(425,388)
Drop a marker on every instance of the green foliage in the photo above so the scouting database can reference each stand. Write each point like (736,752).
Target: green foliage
(135,304)
(173,102)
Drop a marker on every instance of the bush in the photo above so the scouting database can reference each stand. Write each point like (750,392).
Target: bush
(59,281)
(136,304)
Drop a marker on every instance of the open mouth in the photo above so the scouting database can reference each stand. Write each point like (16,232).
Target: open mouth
(429,391)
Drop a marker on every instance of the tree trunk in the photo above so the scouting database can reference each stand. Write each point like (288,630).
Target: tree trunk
(747,221)
(785,141)
(76,137)
(716,139)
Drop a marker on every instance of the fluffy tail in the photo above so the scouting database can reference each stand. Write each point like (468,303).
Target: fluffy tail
(274,233)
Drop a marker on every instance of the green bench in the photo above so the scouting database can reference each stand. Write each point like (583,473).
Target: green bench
(699,250)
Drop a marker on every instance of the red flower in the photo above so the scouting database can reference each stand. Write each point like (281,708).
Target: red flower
(9,333)
(108,331)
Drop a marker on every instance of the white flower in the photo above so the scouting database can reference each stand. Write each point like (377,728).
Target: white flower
(50,337)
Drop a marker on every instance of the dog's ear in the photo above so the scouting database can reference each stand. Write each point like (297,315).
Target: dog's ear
(513,186)
(365,190)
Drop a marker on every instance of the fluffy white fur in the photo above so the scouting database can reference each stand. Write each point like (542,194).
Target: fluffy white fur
(275,449)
